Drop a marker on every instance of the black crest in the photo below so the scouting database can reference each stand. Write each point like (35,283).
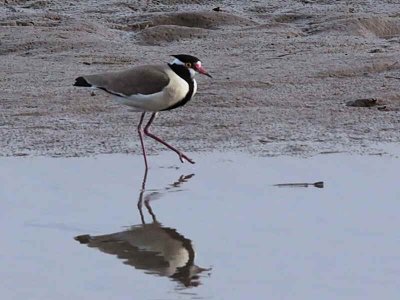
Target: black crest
(185,58)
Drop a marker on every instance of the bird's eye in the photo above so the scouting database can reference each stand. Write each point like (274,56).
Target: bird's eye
(188,65)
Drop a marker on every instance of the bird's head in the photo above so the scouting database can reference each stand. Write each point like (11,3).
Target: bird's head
(190,62)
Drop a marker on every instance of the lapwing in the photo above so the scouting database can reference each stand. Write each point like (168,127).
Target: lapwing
(151,89)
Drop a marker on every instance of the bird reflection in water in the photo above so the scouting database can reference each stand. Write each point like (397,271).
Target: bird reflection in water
(151,247)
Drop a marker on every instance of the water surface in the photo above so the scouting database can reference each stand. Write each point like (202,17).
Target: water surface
(220,229)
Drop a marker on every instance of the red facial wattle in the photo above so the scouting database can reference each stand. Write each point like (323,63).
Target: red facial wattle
(201,70)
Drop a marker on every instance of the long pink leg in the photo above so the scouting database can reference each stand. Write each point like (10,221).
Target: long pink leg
(140,131)
(148,133)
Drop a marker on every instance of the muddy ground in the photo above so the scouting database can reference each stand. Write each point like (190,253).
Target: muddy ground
(283,73)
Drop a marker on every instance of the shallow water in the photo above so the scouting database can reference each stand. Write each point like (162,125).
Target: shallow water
(252,239)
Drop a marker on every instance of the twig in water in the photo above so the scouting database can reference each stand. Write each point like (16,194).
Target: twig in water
(318,184)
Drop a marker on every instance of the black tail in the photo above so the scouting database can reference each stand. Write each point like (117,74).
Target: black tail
(80,81)
(83,239)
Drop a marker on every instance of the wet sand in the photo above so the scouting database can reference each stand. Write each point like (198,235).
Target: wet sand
(283,72)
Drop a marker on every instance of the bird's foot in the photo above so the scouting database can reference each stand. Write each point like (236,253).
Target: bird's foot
(183,157)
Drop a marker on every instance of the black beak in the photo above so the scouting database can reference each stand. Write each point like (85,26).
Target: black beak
(203,71)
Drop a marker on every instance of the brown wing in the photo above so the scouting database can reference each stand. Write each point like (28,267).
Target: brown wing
(144,80)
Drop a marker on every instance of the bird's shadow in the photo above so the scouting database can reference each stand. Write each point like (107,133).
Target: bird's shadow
(152,247)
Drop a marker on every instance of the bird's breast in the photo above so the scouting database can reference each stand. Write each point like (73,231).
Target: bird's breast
(177,88)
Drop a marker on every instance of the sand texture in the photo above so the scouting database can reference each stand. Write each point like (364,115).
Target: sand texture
(284,75)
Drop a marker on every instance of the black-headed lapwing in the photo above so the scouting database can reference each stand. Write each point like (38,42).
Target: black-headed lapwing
(151,88)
